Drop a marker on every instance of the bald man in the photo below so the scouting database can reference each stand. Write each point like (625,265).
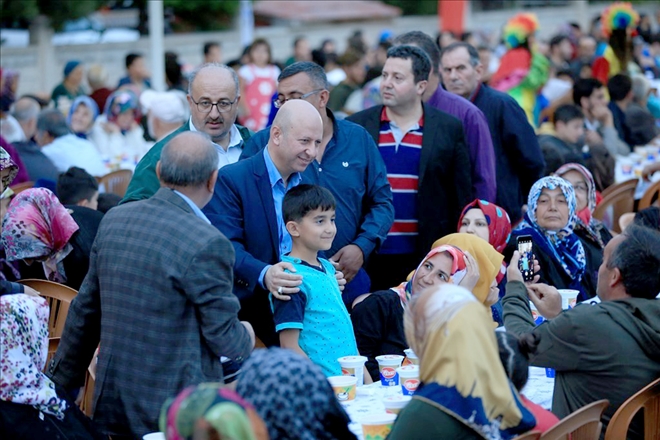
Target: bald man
(247,209)
(213,96)
(159,295)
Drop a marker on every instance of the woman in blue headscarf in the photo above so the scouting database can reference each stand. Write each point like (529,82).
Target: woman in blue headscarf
(550,220)
(82,114)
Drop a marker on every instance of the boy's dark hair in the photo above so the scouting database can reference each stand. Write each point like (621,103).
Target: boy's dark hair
(75,185)
(557,40)
(584,88)
(302,199)
(107,201)
(514,355)
(131,57)
(567,112)
(210,45)
(619,86)
(421,63)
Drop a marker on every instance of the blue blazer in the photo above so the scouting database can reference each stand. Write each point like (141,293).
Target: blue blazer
(242,208)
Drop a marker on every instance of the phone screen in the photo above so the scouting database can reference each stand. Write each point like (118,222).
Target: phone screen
(526,262)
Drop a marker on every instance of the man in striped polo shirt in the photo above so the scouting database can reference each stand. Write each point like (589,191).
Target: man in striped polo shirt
(427,161)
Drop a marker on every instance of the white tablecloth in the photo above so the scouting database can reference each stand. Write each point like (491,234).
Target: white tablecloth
(369,398)
(631,166)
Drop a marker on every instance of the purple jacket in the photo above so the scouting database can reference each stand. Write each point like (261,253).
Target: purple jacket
(477,138)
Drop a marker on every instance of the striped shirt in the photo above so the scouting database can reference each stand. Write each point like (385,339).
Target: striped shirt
(401,153)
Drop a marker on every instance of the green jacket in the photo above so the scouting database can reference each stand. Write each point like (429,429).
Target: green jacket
(145,183)
(608,350)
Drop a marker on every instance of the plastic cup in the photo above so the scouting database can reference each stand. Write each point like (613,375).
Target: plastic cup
(154,436)
(344,387)
(353,366)
(568,298)
(536,316)
(387,365)
(411,357)
(409,379)
(394,404)
(378,426)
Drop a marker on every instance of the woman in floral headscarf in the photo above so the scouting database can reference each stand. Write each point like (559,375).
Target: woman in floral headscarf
(116,133)
(38,227)
(550,221)
(378,318)
(464,393)
(30,405)
(523,69)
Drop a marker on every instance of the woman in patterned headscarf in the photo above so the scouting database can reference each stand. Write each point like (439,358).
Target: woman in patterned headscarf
(463,393)
(550,220)
(293,397)
(213,409)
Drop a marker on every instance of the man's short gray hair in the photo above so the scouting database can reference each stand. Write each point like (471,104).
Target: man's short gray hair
(198,69)
(26,109)
(471,50)
(315,73)
(52,122)
(640,88)
(189,166)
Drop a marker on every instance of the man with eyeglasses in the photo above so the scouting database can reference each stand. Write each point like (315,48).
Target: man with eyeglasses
(348,164)
(213,95)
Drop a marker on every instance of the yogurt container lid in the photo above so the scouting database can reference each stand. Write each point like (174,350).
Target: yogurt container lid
(409,368)
(397,399)
(378,419)
(389,358)
(356,359)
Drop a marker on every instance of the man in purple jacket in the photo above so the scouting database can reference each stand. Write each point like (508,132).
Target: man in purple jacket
(475,125)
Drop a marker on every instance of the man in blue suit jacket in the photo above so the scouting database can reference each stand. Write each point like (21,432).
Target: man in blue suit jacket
(247,208)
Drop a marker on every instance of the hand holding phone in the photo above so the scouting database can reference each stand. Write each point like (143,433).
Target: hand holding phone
(526,262)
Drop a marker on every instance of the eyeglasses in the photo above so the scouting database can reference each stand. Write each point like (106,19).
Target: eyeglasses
(205,106)
(281,100)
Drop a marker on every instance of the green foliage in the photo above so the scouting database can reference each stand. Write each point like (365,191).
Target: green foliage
(204,15)
(418,7)
(59,11)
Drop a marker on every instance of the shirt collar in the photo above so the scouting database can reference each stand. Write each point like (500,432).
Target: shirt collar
(384,118)
(274,175)
(198,212)
(235,139)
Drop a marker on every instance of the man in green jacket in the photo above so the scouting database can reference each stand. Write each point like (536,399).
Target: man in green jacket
(608,350)
(213,95)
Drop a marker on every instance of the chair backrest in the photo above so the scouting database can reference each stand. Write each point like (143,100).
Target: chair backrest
(531,435)
(652,194)
(621,199)
(647,398)
(116,182)
(20,187)
(59,299)
(583,424)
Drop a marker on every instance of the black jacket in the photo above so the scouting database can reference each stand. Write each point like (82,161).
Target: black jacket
(445,182)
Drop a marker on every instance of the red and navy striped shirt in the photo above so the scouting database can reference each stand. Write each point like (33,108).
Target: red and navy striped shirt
(402,163)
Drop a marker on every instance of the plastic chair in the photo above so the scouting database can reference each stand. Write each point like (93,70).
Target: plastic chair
(20,187)
(531,435)
(116,182)
(59,299)
(88,391)
(647,398)
(620,199)
(583,424)
(650,195)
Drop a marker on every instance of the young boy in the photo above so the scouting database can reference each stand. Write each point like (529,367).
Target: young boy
(314,322)
(77,187)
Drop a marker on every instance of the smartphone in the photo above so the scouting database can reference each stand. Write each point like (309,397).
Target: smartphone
(526,262)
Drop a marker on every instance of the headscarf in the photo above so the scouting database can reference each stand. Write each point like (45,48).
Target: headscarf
(37,225)
(585,219)
(6,162)
(89,102)
(293,397)
(563,246)
(224,410)
(457,271)
(499,223)
(8,91)
(24,330)
(519,28)
(119,102)
(487,258)
(70,66)
(469,385)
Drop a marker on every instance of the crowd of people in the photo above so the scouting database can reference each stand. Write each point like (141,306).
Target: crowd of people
(281,216)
